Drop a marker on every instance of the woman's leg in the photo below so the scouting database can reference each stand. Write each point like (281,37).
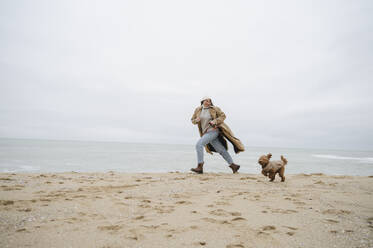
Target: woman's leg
(204,140)
(221,150)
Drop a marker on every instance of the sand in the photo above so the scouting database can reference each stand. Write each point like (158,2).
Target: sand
(184,210)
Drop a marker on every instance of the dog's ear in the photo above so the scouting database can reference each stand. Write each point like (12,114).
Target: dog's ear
(269,155)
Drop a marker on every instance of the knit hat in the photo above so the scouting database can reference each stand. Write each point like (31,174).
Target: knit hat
(205,98)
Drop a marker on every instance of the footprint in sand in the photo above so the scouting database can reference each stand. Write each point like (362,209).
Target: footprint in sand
(340,177)
(263,233)
(291,228)
(24,210)
(144,206)
(5,202)
(283,211)
(239,219)
(121,204)
(370,222)
(183,202)
(300,203)
(235,246)
(317,174)
(139,217)
(79,196)
(6,179)
(151,227)
(336,211)
(331,221)
(222,203)
(200,243)
(211,220)
(179,178)
(178,196)
(219,212)
(10,188)
(164,209)
(245,178)
(134,235)
(268,228)
(204,179)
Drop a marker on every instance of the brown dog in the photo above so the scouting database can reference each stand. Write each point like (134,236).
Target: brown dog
(271,168)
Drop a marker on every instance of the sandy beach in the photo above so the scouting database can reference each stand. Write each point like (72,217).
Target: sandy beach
(184,210)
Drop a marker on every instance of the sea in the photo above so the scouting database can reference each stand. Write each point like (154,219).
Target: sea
(29,155)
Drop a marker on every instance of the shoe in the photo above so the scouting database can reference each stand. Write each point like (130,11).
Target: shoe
(234,167)
(198,169)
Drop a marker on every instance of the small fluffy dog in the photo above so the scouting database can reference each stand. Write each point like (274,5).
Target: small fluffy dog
(271,168)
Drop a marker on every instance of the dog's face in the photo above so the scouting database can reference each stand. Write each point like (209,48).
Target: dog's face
(264,160)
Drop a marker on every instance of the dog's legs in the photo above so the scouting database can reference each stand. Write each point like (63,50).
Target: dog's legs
(272,176)
(265,173)
(281,173)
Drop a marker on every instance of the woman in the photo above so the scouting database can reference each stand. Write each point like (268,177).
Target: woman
(213,132)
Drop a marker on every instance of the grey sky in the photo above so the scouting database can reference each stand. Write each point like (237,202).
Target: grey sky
(286,73)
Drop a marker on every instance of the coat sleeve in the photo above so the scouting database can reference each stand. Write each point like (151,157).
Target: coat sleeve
(220,116)
(194,117)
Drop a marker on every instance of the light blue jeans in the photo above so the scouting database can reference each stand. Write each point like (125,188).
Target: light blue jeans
(212,138)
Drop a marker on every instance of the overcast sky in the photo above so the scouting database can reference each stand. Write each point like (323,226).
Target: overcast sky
(286,73)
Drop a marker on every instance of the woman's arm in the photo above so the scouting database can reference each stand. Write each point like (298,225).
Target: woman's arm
(220,117)
(195,119)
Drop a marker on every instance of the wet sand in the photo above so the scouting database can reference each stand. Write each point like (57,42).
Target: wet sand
(110,210)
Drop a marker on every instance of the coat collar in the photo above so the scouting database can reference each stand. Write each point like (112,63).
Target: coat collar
(211,109)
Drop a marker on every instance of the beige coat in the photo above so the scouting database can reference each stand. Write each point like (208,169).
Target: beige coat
(218,118)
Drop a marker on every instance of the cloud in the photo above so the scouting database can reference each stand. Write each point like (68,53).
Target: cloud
(286,74)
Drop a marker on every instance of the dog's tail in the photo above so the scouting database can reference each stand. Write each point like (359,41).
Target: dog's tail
(284,160)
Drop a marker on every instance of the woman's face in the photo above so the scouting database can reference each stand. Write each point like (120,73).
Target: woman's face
(207,103)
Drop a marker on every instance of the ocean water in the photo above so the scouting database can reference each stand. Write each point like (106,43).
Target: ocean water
(17,155)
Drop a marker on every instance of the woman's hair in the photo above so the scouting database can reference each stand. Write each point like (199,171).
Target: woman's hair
(210,101)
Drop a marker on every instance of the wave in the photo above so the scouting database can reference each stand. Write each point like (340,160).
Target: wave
(328,156)
(22,168)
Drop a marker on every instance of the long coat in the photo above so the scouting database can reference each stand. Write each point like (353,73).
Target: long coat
(218,118)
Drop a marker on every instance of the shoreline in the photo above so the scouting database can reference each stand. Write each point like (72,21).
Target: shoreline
(177,209)
(2,174)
